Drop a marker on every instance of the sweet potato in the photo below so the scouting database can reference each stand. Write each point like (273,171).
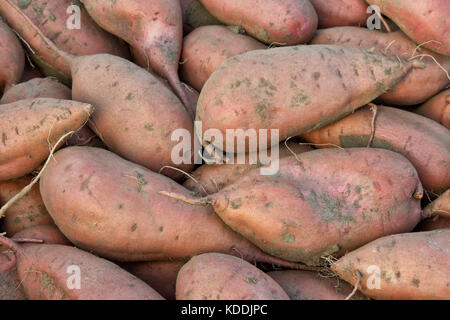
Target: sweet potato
(439,207)
(146,225)
(135,113)
(48,88)
(153,28)
(37,88)
(341,12)
(437,108)
(27,212)
(29,129)
(160,275)
(49,234)
(195,15)
(288,22)
(307,285)
(419,85)
(403,266)
(424,142)
(12,58)
(206,48)
(294,89)
(9,281)
(326,202)
(216,276)
(213,178)
(434,223)
(424,21)
(45,271)
(51,17)
(30,72)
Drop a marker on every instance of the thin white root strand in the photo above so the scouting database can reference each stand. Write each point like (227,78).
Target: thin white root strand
(290,150)
(388,46)
(27,189)
(422,44)
(355,288)
(186,174)
(434,59)
(384,22)
(374,109)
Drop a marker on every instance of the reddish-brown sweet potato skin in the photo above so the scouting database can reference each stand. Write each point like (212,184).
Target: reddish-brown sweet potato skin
(29,126)
(51,17)
(154,29)
(215,276)
(12,58)
(287,22)
(195,15)
(45,269)
(213,178)
(160,275)
(146,226)
(27,212)
(323,207)
(423,21)
(424,142)
(293,89)
(308,285)
(419,85)
(437,108)
(409,266)
(439,207)
(9,281)
(341,13)
(135,114)
(37,88)
(434,223)
(206,48)
(49,234)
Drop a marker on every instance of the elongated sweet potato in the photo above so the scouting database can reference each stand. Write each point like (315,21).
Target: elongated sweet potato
(424,21)
(288,22)
(153,28)
(135,113)
(307,285)
(49,234)
(12,58)
(52,18)
(437,108)
(419,85)
(435,223)
(341,12)
(327,202)
(45,271)
(293,90)
(146,225)
(195,15)
(48,88)
(403,266)
(9,281)
(439,207)
(27,212)
(213,178)
(31,127)
(37,88)
(160,275)
(424,142)
(216,276)
(206,48)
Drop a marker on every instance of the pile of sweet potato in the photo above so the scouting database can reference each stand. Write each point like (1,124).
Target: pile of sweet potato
(121,178)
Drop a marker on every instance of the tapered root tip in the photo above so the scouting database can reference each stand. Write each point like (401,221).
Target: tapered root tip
(191,201)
